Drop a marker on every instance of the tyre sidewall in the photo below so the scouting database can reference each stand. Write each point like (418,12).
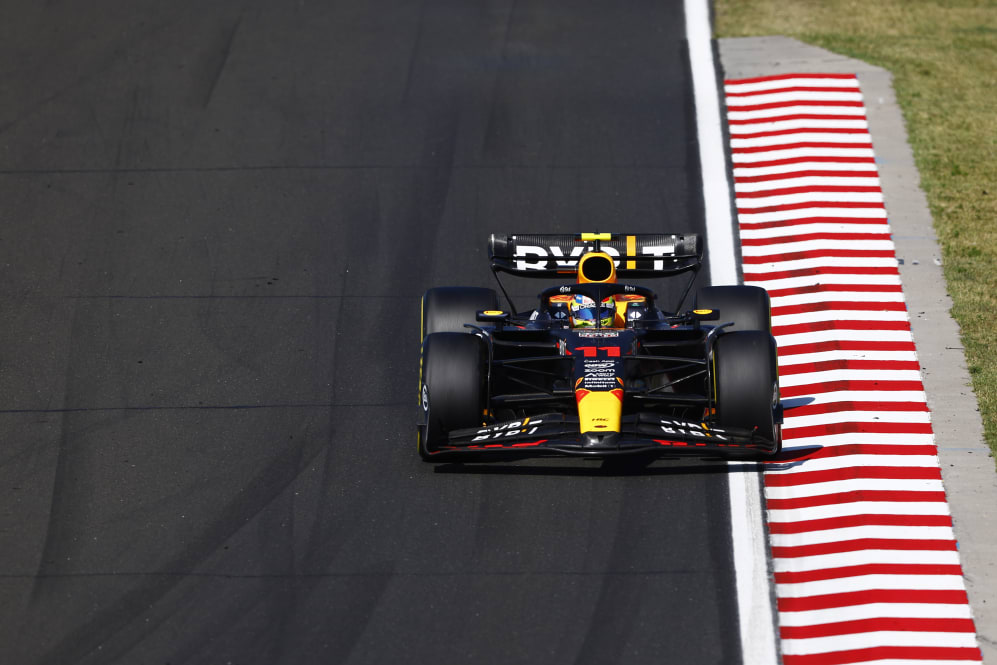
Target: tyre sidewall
(452,391)
(746,382)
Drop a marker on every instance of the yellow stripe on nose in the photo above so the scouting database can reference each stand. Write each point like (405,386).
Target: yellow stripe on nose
(599,411)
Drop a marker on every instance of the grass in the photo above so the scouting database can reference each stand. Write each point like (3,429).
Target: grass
(943,56)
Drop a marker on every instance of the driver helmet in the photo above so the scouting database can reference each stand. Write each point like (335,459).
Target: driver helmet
(585,313)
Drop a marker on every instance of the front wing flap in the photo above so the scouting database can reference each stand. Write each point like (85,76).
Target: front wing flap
(557,435)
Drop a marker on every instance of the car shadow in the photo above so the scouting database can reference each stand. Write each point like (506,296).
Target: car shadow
(612,468)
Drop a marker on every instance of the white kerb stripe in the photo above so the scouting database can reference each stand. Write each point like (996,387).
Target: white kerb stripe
(853,508)
(749,171)
(844,334)
(803,136)
(867,582)
(877,229)
(852,485)
(850,375)
(808,181)
(790,97)
(858,417)
(837,462)
(847,315)
(824,262)
(794,82)
(808,197)
(863,438)
(740,112)
(873,212)
(776,249)
(898,533)
(841,295)
(908,638)
(808,124)
(743,158)
(862,557)
(832,396)
(824,356)
(875,611)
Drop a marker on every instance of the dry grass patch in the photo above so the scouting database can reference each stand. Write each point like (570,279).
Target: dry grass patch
(943,56)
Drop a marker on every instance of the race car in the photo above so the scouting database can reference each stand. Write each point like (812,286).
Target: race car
(597,368)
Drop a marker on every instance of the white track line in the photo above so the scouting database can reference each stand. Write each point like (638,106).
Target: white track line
(755,612)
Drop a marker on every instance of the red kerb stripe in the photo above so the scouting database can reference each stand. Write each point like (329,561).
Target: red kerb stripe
(852,205)
(845,405)
(816,159)
(871,173)
(805,452)
(816,326)
(891,624)
(850,521)
(794,88)
(795,116)
(735,108)
(769,133)
(828,365)
(840,307)
(853,496)
(796,433)
(863,544)
(782,257)
(851,598)
(847,384)
(844,345)
(872,222)
(817,145)
(794,479)
(804,237)
(808,189)
(799,577)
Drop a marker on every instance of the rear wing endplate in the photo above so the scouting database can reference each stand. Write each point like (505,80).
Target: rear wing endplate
(635,254)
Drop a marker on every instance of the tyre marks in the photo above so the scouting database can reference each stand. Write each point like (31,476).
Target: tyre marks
(866,562)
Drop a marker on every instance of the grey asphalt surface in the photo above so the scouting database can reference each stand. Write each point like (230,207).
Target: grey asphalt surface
(216,220)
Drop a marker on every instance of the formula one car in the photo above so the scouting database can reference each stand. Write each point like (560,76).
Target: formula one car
(597,369)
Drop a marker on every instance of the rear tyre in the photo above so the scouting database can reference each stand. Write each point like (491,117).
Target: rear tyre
(747,383)
(448,308)
(747,306)
(452,387)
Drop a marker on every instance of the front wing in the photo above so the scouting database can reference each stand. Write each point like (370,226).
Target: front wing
(558,435)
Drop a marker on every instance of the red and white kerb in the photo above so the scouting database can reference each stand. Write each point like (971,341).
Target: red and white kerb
(866,564)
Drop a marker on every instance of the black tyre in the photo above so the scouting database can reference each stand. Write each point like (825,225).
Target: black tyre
(747,306)
(452,387)
(747,383)
(448,308)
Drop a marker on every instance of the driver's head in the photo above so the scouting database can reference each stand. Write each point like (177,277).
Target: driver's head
(585,313)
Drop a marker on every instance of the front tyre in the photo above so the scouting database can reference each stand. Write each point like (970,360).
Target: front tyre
(452,387)
(448,308)
(747,384)
(747,306)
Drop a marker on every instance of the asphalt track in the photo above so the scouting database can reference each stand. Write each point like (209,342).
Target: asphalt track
(216,220)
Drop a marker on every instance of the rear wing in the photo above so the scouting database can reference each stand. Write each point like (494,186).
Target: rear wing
(635,254)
